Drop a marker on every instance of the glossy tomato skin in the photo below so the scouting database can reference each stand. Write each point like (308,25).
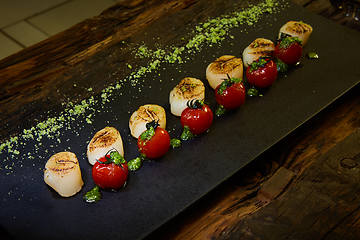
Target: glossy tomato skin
(263,76)
(157,146)
(110,176)
(232,97)
(197,119)
(289,55)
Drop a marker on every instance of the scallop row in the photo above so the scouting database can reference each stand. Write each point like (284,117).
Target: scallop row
(62,171)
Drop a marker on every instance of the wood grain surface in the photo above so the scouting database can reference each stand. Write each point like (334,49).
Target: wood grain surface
(305,187)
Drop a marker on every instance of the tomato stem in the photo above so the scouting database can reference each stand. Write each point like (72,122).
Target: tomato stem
(154,124)
(195,103)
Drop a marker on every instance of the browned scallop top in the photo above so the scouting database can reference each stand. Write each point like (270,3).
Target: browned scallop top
(62,162)
(103,138)
(148,113)
(225,64)
(190,88)
(262,43)
(298,27)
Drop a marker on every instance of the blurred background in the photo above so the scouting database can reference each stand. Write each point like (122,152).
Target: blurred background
(24,23)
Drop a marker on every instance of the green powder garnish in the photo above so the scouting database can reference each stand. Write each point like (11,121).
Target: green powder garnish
(209,33)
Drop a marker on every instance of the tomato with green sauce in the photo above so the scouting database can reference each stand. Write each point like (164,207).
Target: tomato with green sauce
(154,142)
(110,171)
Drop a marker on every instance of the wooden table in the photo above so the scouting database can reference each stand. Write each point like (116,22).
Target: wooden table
(305,187)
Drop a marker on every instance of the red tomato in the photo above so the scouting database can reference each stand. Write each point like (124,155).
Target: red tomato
(157,146)
(197,119)
(262,75)
(231,97)
(290,52)
(109,175)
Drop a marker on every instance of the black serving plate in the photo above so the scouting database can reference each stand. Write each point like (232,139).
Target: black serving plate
(162,189)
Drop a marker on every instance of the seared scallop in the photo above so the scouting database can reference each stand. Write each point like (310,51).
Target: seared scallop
(296,29)
(217,71)
(63,174)
(260,47)
(188,89)
(146,114)
(105,140)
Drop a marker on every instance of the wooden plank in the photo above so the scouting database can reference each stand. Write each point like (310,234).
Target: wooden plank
(321,200)
(276,185)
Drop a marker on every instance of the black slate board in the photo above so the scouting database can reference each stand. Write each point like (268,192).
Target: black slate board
(164,188)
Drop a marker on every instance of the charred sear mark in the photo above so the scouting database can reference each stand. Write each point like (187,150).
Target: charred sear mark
(299,28)
(261,44)
(189,90)
(147,114)
(103,139)
(226,64)
(98,136)
(61,170)
(187,87)
(150,114)
(224,60)
(64,162)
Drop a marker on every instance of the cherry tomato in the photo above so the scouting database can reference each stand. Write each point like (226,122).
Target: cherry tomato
(232,96)
(198,118)
(157,145)
(262,73)
(109,175)
(289,50)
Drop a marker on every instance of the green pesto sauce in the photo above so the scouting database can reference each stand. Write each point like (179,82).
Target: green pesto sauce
(148,134)
(281,66)
(186,134)
(175,143)
(286,42)
(312,55)
(220,111)
(227,83)
(93,195)
(253,92)
(135,163)
(209,33)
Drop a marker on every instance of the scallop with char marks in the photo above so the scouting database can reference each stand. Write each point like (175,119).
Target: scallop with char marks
(217,71)
(146,114)
(260,47)
(297,29)
(188,89)
(105,140)
(63,174)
